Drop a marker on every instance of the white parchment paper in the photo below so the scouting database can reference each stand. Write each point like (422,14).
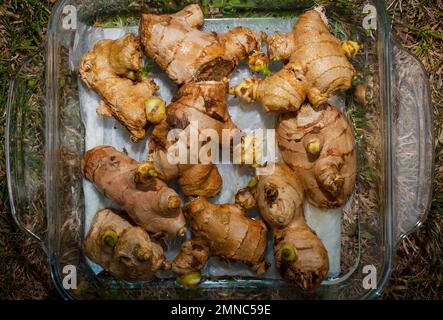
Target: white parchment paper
(107,131)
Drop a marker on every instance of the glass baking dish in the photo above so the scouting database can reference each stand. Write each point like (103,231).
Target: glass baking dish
(393,129)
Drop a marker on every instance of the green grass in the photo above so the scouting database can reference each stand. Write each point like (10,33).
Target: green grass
(23,265)
(418,272)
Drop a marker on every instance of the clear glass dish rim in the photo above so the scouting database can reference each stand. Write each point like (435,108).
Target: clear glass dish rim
(50,154)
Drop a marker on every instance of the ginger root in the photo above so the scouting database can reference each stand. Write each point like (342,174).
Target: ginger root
(246,197)
(258,61)
(110,69)
(150,203)
(124,250)
(319,147)
(299,254)
(283,91)
(188,54)
(350,48)
(317,67)
(223,231)
(280,196)
(197,103)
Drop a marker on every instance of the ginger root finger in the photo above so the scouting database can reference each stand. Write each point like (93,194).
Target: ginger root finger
(192,257)
(300,256)
(155,109)
(190,279)
(350,48)
(312,45)
(327,174)
(191,14)
(200,180)
(280,196)
(316,67)
(245,197)
(188,54)
(124,250)
(151,204)
(223,231)
(107,69)
(319,146)
(203,106)
(283,91)
(259,62)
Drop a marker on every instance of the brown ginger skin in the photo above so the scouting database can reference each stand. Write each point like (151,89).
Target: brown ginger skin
(128,253)
(316,68)
(202,103)
(106,69)
(318,52)
(310,265)
(319,147)
(152,205)
(299,254)
(280,196)
(223,231)
(281,92)
(285,90)
(188,54)
(246,197)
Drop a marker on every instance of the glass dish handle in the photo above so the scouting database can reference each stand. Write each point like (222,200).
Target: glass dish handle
(413,141)
(25,146)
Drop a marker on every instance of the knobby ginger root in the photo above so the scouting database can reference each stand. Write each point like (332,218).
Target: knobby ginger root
(283,91)
(202,104)
(319,147)
(258,61)
(188,54)
(312,45)
(317,67)
(109,69)
(280,196)
(151,204)
(246,197)
(350,48)
(299,254)
(122,249)
(223,231)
